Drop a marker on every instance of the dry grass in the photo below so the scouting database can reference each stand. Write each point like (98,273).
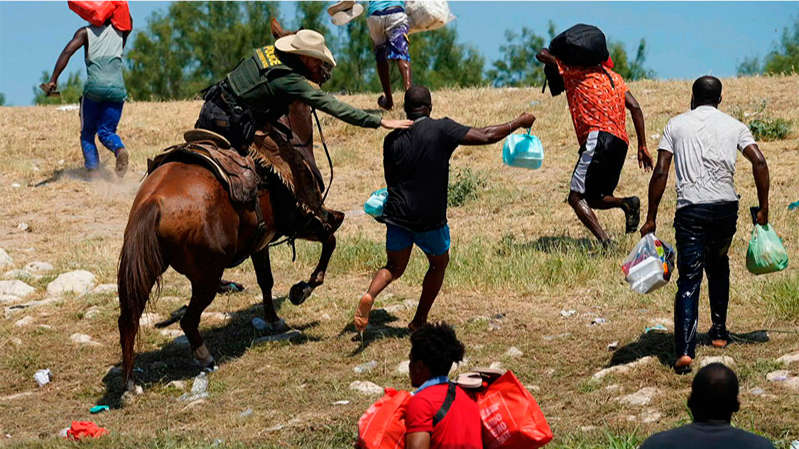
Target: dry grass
(518,250)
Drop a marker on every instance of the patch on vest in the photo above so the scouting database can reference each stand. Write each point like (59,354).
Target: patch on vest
(266,57)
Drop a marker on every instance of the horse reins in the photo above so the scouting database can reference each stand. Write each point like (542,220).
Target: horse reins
(290,240)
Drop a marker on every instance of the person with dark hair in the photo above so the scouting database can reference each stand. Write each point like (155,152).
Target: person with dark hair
(597,99)
(704,143)
(104,93)
(416,166)
(440,414)
(713,400)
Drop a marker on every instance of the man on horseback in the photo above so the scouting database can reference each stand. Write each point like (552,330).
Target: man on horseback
(261,87)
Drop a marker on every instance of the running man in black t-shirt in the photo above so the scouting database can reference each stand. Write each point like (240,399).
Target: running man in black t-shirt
(416,165)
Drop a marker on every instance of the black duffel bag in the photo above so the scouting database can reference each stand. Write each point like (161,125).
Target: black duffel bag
(581,45)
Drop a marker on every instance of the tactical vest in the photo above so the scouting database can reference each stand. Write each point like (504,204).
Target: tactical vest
(249,81)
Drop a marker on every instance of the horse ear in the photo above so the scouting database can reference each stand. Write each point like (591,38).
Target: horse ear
(277,29)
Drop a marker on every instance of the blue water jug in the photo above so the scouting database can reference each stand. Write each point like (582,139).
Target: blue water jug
(374,205)
(523,150)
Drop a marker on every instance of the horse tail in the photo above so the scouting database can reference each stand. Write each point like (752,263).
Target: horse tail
(141,262)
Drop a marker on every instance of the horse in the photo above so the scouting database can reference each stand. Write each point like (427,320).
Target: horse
(183,217)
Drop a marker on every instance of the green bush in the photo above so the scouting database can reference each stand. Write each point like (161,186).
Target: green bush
(465,188)
(770,129)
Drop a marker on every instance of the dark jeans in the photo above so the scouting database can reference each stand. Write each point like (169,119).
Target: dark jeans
(704,233)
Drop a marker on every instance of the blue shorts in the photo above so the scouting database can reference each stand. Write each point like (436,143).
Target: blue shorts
(432,243)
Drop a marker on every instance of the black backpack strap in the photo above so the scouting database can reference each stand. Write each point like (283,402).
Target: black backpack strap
(448,400)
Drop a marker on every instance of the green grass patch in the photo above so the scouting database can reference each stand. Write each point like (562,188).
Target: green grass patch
(782,297)
(465,188)
(770,128)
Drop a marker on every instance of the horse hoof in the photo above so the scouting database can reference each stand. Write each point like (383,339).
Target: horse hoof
(300,292)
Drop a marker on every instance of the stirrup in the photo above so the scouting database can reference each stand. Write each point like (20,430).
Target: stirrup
(199,134)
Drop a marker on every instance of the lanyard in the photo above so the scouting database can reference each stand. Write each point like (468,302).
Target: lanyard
(430,382)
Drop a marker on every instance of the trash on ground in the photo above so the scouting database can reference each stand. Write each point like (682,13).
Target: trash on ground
(649,265)
(365,367)
(85,429)
(344,402)
(598,320)
(98,409)
(657,327)
(613,345)
(198,389)
(42,377)
(567,313)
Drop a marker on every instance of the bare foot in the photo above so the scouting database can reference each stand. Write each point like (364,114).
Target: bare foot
(362,312)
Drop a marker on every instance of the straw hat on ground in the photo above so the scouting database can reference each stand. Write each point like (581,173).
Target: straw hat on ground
(307,43)
(343,12)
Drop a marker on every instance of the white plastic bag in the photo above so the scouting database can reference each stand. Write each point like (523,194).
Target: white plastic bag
(649,265)
(426,15)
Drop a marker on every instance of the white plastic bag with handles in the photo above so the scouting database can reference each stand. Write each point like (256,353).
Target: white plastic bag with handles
(426,15)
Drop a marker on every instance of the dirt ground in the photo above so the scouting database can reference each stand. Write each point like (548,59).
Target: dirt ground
(519,259)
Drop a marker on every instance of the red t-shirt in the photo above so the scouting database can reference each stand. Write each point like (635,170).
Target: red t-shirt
(460,428)
(594,103)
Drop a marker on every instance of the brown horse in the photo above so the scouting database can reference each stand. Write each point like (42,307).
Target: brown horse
(183,217)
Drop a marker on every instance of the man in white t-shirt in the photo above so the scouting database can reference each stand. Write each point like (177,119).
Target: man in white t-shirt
(704,143)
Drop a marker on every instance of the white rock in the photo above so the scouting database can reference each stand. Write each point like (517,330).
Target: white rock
(404,367)
(787,359)
(178,384)
(24,227)
(344,402)
(614,345)
(92,312)
(567,313)
(496,365)
(16,341)
(24,321)
(778,376)
(8,298)
(83,339)
(792,383)
(19,274)
(366,387)
(104,288)
(19,307)
(365,367)
(16,185)
(325,317)
(614,388)
(725,360)
(288,335)
(513,351)
(647,416)
(15,288)
(37,267)
(621,369)
(76,282)
(641,397)
(149,319)
(5,259)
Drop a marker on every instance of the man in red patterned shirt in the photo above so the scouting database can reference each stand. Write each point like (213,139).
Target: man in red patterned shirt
(597,99)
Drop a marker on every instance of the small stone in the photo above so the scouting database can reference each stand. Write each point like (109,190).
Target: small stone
(77,282)
(757,391)
(532,387)
(246,413)
(778,376)
(104,289)
(649,416)
(325,317)
(92,312)
(15,288)
(45,326)
(404,367)
(83,339)
(787,359)
(149,319)
(288,335)
(725,360)
(641,397)
(621,369)
(365,367)
(612,346)
(274,428)
(5,259)
(366,387)
(495,365)
(513,351)
(24,321)
(177,384)
(24,227)
(16,185)
(567,313)
(37,267)
(344,402)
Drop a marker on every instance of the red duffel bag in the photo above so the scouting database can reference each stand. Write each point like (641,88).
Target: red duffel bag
(510,415)
(97,13)
(382,426)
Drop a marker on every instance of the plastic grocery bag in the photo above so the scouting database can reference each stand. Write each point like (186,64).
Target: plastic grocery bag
(649,265)
(426,15)
(382,426)
(98,12)
(766,253)
(523,150)
(374,205)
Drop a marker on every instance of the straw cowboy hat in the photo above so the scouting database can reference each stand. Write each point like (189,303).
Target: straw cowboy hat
(343,12)
(308,43)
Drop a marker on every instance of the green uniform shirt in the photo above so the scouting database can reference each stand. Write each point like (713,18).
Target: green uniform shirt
(266,85)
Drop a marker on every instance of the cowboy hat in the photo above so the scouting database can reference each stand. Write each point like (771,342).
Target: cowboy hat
(308,43)
(343,12)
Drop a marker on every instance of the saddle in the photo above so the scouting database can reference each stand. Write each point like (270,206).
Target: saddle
(236,172)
